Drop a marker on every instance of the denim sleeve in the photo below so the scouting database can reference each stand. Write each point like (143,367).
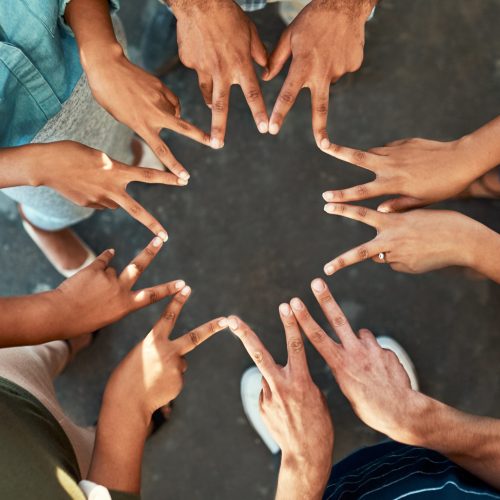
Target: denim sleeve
(114,5)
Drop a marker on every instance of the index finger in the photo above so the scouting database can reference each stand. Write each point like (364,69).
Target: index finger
(253,95)
(140,263)
(191,340)
(139,213)
(220,109)
(320,98)
(354,256)
(333,313)
(362,214)
(255,348)
(187,129)
(166,323)
(294,343)
(363,159)
(153,176)
(286,98)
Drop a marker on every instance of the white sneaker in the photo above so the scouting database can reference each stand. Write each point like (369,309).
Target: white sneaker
(251,385)
(390,344)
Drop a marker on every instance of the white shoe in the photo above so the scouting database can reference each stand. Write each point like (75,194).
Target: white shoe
(251,385)
(390,344)
(67,273)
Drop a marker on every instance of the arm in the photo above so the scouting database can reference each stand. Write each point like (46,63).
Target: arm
(379,390)
(470,441)
(131,95)
(148,378)
(294,410)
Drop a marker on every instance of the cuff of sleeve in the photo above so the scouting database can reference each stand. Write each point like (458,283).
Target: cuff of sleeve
(114,6)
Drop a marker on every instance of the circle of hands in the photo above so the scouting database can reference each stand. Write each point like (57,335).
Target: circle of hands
(323,45)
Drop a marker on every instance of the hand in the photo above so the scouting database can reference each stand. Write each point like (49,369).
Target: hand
(90,178)
(220,43)
(414,242)
(143,103)
(152,373)
(293,408)
(423,171)
(325,40)
(371,378)
(96,296)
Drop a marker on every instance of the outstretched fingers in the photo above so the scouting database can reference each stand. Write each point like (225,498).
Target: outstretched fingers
(191,340)
(359,213)
(295,346)
(354,256)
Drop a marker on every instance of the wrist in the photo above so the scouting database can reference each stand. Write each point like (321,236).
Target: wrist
(97,55)
(483,248)
(354,9)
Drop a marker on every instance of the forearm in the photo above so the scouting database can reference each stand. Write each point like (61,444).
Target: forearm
(299,481)
(91,23)
(119,447)
(29,320)
(483,147)
(18,165)
(470,441)
(484,252)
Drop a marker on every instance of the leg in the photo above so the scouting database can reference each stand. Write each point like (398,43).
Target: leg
(34,369)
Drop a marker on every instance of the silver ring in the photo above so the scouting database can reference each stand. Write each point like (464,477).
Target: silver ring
(381,256)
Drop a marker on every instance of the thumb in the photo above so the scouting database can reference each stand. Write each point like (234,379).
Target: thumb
(102,261)
(400,204)
(279,56)
(258,51)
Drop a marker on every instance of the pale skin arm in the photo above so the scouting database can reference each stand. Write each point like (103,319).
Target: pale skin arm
(148,378)
(294,410)
(378,388)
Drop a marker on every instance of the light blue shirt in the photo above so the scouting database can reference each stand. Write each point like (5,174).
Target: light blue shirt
(39,66)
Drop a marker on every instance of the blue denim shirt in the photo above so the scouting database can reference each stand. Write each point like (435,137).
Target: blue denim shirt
(39,66)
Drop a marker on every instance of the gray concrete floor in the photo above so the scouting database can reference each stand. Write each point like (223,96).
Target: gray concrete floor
(249,232)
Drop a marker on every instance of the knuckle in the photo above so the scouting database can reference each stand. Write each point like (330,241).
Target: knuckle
(149,252)
(339,320)
(362,191)
(147,174)
(362,212)
(169,315)
(286,97)
(134,209)
(137,267)
(159,150)
(258,357)
(318,336)
(321,108)
(325,299)
(153,296)
(359,156)
(340,263)
(252,95)
(194,337)
(363,253)
(295,344)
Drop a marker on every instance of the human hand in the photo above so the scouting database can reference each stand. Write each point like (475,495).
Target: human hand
(96,296)
(90,178)
(152,373)
(371,378)
(420,170)
(325,40)
(294,410)
(220,42)
(143,103)
(413,242)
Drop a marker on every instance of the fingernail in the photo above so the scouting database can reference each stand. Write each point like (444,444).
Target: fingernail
(179,284)
(216,143)
(384,210)
(223,323)
(184,175)
(232,323)
(329,208)
(318,285)
(163,235)
(329,269)
(182,182)
(297,304)
(274,128)
(327,196)
(186,291)
(157,242)
(324,144)
(285,309)
(111,251)
(263,127)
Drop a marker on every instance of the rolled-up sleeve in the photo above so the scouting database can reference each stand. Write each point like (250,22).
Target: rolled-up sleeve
(114,5)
